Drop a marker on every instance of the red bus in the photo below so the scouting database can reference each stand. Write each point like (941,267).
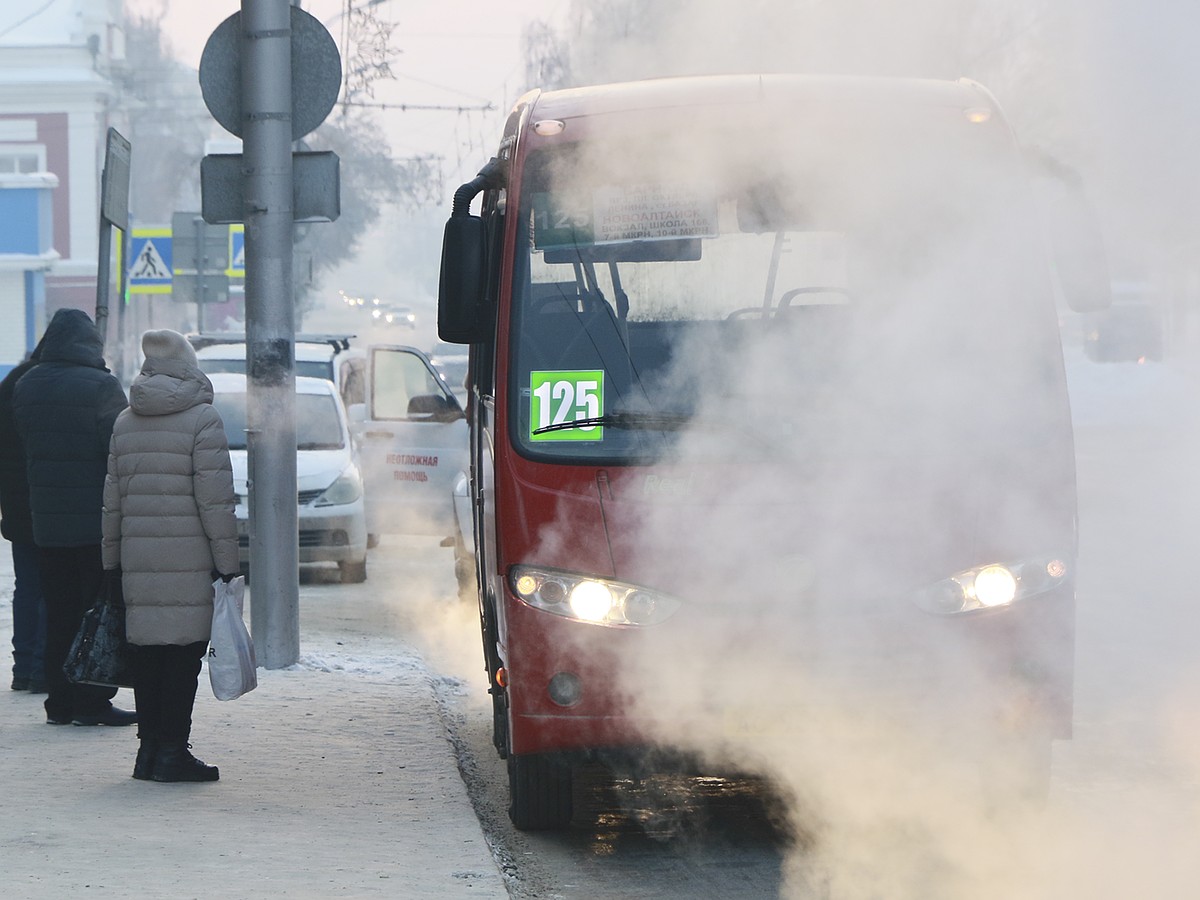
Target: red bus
(761,367)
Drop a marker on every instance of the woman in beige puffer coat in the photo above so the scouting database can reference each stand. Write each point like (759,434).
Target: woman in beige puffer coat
(168,527)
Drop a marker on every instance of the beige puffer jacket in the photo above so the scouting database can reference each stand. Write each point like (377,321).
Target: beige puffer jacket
(168,503)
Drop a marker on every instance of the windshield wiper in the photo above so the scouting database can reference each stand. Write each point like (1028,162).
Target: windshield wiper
(633,421)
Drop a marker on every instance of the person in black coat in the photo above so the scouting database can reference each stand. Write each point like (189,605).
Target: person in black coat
(64,409)
(16,524)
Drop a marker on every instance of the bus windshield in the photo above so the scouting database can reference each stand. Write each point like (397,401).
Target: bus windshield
(773,281)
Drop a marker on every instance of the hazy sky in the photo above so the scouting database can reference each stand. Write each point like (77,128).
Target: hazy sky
(453,52)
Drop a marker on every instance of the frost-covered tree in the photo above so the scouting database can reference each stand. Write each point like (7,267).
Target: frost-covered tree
(168,124)
(1021,49)
(371,179)
(546,55)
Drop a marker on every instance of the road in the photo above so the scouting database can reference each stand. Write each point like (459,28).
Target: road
(671,837)
(1121,820)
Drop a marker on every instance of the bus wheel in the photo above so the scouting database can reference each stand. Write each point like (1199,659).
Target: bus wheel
(539,786)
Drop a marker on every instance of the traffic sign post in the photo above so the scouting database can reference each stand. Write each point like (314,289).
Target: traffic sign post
(198,246)
(200,252)
(269,74)
(114,212)
(316,187)
(314,64)
(211,287)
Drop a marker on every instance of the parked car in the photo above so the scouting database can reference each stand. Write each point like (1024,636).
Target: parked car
(1133,329)
(413,442)
(332,514)
(327,356)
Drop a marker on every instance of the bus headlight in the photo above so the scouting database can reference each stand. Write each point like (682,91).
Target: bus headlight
(597,600)
(992,586)
(995,586)
(591,601)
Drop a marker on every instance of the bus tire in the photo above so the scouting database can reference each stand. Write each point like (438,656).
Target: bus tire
(540,791)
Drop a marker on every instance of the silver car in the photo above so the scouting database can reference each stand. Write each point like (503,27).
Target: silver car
(332,516)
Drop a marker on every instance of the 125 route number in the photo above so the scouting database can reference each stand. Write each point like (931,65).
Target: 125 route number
(561,397)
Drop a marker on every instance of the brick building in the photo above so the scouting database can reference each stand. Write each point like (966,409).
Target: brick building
(58,97)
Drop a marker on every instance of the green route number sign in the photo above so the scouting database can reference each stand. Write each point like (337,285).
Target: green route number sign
(560,397)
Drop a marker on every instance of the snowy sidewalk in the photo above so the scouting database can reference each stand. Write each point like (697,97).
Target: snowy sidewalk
(331,786)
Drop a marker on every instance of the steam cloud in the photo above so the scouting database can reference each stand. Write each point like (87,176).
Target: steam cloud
(880,793)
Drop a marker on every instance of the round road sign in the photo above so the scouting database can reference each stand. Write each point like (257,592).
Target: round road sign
(316,73)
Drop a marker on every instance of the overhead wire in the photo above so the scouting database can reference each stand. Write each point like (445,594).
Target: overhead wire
(37,12)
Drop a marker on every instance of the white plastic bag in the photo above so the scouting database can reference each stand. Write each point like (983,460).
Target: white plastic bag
(232,669)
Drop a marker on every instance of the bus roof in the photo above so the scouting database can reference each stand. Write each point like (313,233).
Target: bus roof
(718,90)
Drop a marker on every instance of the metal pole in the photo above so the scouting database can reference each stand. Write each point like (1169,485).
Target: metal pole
(123,359)
(266,87)
(103,274)
(201,259)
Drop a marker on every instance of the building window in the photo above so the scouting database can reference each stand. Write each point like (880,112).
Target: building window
(17,159)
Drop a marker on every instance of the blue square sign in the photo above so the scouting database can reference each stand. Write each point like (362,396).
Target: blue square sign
(150,261)
(237,252)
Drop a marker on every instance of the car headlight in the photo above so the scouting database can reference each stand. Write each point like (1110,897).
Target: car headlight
(596,600)
(346,489)
(992,586)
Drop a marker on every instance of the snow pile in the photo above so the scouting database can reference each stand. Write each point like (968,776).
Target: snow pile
(376,668)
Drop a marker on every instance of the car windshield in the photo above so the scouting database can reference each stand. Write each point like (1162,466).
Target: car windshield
(765,283)
(310,368)
(318,426)
(213,366)
(304,367)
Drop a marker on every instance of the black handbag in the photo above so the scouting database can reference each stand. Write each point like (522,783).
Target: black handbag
(100,654)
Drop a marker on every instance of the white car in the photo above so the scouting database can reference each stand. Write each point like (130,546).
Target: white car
(413,444)
(327,356)
(332,516)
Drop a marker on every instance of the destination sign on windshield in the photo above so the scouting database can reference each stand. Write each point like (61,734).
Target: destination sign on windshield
(623,213)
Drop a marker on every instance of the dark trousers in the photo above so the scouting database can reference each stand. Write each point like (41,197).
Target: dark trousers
(164,689)
(29,614)
(71,578)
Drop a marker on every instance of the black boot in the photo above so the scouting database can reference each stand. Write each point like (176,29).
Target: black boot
(143,767)
(173,762)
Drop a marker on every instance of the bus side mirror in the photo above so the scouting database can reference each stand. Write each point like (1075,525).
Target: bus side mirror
(461,318)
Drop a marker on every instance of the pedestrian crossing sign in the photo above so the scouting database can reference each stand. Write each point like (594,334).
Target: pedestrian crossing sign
(150,261)
(237,251)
